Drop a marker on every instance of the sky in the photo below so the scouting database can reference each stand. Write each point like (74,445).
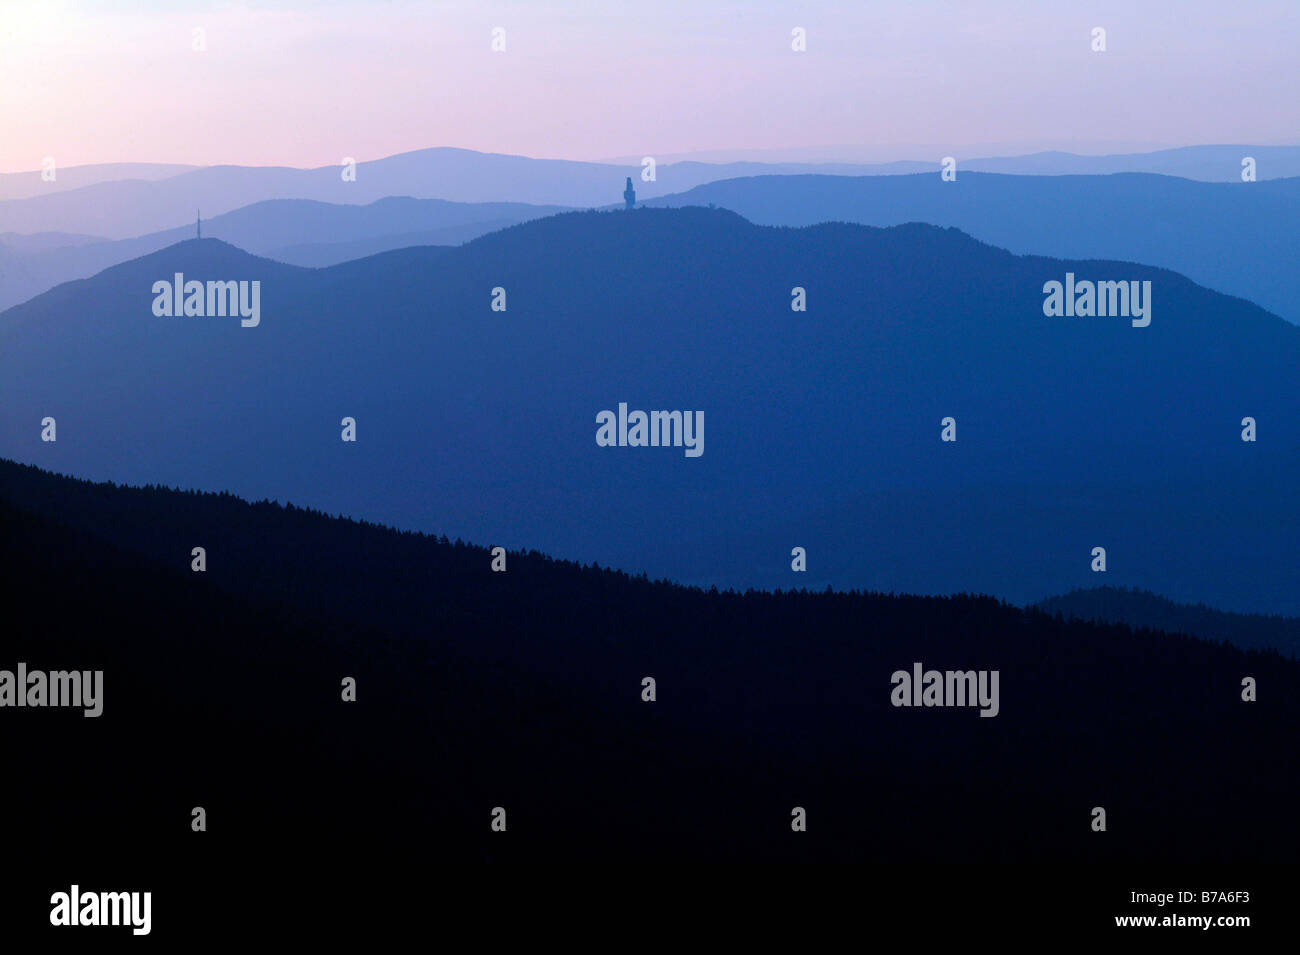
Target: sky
(308,83)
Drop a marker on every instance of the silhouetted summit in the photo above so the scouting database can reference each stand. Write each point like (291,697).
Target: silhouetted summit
(1196,228)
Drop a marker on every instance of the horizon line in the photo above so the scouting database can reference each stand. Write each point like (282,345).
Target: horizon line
(683,157)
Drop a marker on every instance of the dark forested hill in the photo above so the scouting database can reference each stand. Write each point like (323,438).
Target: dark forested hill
(1141,608)
(523,690)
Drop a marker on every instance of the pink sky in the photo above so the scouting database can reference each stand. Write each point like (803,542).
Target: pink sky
(292,83)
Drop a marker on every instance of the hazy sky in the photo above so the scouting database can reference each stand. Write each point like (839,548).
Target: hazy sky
(307,83)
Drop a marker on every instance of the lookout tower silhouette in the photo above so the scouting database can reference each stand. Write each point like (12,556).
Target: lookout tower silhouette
(629,195)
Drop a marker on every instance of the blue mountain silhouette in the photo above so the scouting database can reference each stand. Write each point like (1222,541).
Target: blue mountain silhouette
(822,427)
(1238,238)
(1235,238)
(298,231)
(23,185)
(131,207)
(119,208)
(1141,608)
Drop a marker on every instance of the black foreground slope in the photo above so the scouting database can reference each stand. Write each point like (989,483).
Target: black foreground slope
(522,690)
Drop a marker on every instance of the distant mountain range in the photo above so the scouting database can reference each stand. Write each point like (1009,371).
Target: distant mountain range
(1190,227)
(822,428)
(1143,609)
(1205,163)
(1220,163)
(297,231)
(132,207)
(120,201)
(21,242)
(37,182)
(1239,238)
